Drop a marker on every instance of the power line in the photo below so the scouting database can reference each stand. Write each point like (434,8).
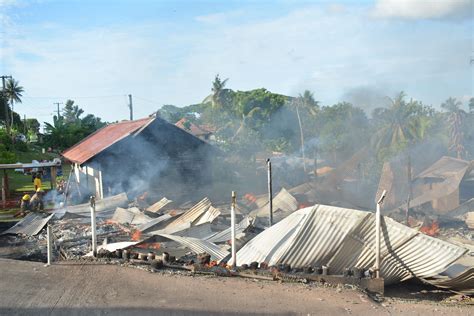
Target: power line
(75,97)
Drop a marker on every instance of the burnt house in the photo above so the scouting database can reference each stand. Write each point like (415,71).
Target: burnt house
(145,155)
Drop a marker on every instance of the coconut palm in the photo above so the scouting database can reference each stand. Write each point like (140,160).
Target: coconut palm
(456,117)
(13,93)
(307,103)
(217,90)
(399,125)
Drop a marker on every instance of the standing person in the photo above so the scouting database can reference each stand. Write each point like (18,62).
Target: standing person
(37,182)
(36,202)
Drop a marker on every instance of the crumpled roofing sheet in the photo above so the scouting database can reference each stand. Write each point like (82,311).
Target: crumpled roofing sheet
(131,216)
(192,214)
(211,214)
(155,223)
(155,208)
(101,206)
(283,204)
(345,238)
(470,220)
(226,234)
(463,282)
(199,246)
(30,225)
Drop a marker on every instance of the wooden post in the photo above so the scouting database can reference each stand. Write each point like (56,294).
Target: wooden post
(4,195)
(53,177)
(377,235)
(49,234)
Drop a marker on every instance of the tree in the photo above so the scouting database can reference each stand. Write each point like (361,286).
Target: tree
(399,125)
(471,105)
(13,93)
(306,102)
(71,112)
(455,120)
(217,92)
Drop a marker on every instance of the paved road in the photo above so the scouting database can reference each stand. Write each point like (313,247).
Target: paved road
(28,288)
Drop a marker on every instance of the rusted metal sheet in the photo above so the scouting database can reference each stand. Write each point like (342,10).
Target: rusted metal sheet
(103,138)
(199,246)
(345,238)
(30,225)
(155,208)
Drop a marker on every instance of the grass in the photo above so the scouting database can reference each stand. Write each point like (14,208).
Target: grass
(34,153)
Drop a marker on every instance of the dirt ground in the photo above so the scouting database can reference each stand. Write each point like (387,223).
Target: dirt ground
(29,288)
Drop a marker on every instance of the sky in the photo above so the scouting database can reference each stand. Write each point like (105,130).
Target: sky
(168,52)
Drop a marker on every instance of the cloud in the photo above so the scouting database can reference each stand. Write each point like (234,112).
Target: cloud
(423,9)
(338,56)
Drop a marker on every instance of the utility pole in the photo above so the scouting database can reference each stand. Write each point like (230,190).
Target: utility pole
(130,105)
(58,103)
(4,95)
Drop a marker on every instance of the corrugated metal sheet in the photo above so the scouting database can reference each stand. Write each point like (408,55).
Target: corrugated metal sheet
(102,139)
(199,246)
(30,225)
(158,205)
(470,220)
(344,238)
(211,214)
(192,214)
(463,282)
(226,234)
(101,206)
(283,204)
(155,223)
(130,216)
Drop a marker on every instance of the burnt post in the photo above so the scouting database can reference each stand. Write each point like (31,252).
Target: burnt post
(93,227)
(270,193)
(377,234)
(232,225)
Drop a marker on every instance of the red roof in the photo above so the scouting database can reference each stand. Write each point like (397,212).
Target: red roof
(193,128)
(102,139)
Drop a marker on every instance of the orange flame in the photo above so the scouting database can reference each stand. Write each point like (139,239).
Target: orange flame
(136,235)
(431,230)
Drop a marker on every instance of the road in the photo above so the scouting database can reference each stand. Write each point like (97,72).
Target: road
(29,288)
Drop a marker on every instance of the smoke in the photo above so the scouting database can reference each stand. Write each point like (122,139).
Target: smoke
(368,98)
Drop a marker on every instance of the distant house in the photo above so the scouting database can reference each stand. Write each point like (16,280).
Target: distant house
(202,132)
(440,188)
(148,154)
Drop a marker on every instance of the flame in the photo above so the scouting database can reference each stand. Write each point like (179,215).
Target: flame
(250,197)
(143,196)
(431,230)
(136,235)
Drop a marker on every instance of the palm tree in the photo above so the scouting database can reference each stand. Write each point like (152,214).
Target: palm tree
(306,102)
(400,124)
(58,131)
(456,117)
(13,93)
(217,88)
